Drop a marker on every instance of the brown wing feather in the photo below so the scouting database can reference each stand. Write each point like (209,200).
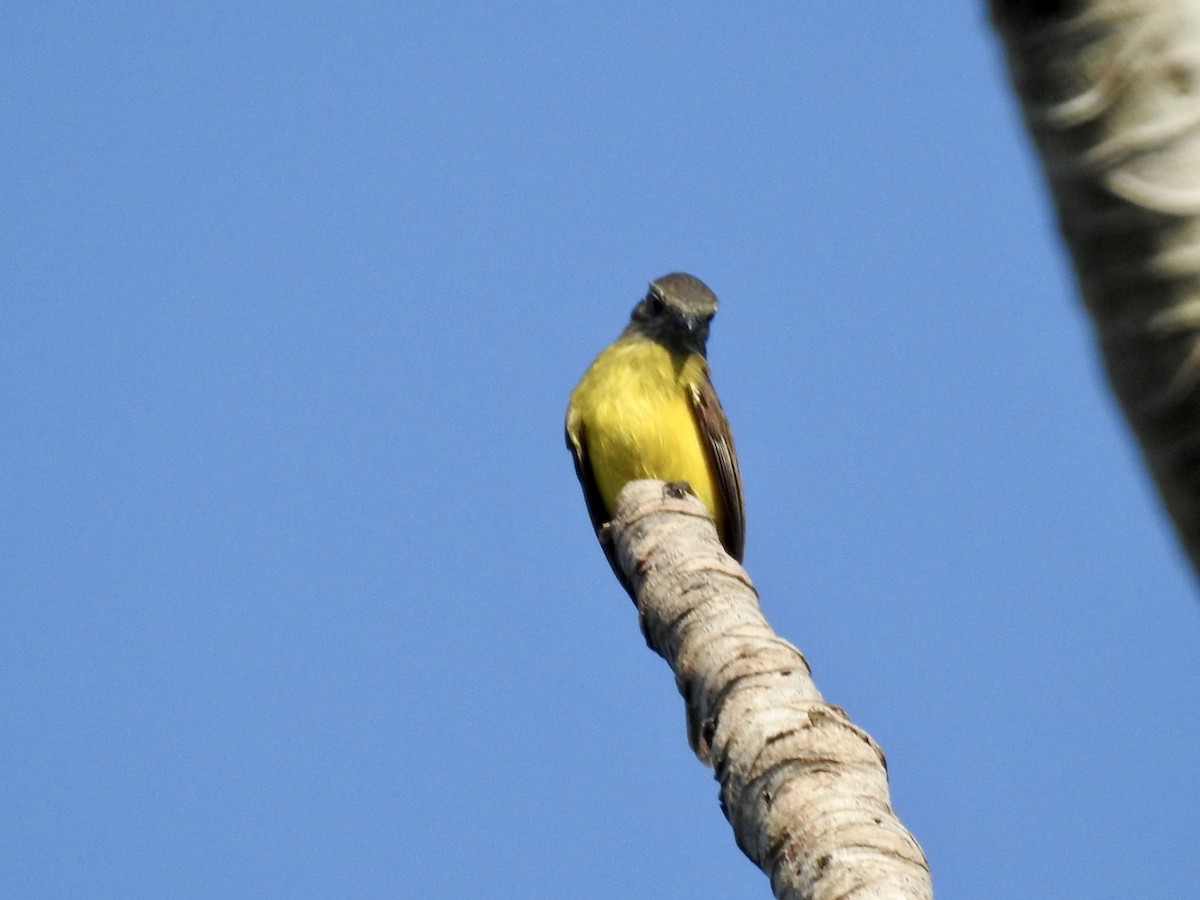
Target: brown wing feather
(577,444)
(719,440)
(600,516)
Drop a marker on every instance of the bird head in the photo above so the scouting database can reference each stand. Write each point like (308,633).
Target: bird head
(676,311)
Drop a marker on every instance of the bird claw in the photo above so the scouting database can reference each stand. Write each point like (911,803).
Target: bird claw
(677,490)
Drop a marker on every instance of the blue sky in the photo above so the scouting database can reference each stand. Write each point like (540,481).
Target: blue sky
(298,592)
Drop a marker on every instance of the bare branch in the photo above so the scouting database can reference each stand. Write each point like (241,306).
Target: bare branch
(803,787)
(1110,90)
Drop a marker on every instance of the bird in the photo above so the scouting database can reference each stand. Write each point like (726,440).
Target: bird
(646,408)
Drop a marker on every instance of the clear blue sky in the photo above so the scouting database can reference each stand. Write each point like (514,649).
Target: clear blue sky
(298,594)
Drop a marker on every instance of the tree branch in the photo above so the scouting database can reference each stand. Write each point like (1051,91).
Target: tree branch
(1110,91)
(803,787)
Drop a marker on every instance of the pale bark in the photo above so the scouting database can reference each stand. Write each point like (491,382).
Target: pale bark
(803,787)
(1110,91)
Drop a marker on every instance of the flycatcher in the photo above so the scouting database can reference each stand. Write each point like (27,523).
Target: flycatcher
(646,408)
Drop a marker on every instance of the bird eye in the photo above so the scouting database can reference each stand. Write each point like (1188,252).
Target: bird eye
(654,303)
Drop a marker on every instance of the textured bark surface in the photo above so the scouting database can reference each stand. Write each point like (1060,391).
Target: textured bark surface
(1110,91)
(804,788)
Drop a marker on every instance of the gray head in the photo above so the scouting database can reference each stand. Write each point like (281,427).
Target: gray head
(676,312)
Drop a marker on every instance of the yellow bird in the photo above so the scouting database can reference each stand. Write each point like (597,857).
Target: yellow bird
(646,408)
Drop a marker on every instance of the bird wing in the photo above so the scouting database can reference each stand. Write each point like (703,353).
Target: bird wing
(719,441)
(577,444)
(576,435)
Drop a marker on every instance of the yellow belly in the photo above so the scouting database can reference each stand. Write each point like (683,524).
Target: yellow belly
(634,403)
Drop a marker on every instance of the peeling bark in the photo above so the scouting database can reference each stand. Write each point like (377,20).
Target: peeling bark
(804,788)
(1110,91)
